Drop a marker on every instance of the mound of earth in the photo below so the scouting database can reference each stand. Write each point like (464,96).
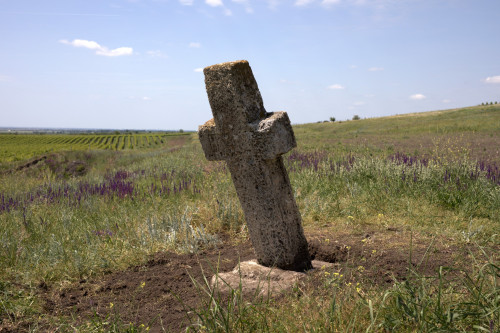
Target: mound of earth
(160,293)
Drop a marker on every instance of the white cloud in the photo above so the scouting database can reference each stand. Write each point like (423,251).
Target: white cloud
(100,50)
(146,98)
(417,97)
(492,79)
(303,2)
(214,3)
(375,69)
(358,103)
(121,51)
(219,3)
(446,101)
(195,45)
(89,44)
(4,78)
(198,70)
(336,87)
(353,66)
(186,2)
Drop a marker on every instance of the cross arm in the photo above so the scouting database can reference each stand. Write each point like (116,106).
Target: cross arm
(271,137)
(211,142)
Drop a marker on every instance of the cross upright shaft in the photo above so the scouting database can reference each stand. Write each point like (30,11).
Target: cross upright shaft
(251,141)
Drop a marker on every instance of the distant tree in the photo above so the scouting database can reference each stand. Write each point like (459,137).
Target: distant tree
(355,117)
(332,119)
(181,131)
(491,103)
(482,103)
(496,102)
(116,132)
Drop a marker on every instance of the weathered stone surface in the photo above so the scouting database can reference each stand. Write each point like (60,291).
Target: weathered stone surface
(251,142)
(272,136)
(258,280)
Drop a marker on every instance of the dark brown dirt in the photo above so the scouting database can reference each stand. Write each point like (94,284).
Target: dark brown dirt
(158,293)
(31,163)
(152,294)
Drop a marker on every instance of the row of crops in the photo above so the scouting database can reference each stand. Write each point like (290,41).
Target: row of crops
(15,147)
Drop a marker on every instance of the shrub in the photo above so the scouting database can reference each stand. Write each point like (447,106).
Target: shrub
(332,119)
(355,117)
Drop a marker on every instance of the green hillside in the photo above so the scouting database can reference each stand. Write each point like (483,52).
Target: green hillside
(476,129)
(19,147)
(406,208)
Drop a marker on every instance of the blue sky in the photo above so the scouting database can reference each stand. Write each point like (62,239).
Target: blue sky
(135,64)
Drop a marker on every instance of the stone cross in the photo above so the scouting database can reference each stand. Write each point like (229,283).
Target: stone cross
(251,141)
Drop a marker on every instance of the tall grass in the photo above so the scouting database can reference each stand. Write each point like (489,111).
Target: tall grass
(451,300)
(107,220)
(57,227)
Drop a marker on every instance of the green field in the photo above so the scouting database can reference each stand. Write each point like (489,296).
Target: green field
(19,147)
(407,207)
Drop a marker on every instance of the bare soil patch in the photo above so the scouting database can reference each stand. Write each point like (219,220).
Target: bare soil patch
(157,293)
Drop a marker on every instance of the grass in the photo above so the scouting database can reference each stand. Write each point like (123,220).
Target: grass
(473,129)
(432,173)
(19,147)
(418,304)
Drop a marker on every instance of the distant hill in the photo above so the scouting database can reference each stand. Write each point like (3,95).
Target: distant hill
(475,129)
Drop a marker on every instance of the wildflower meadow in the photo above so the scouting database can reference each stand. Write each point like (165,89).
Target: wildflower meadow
(427,182)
